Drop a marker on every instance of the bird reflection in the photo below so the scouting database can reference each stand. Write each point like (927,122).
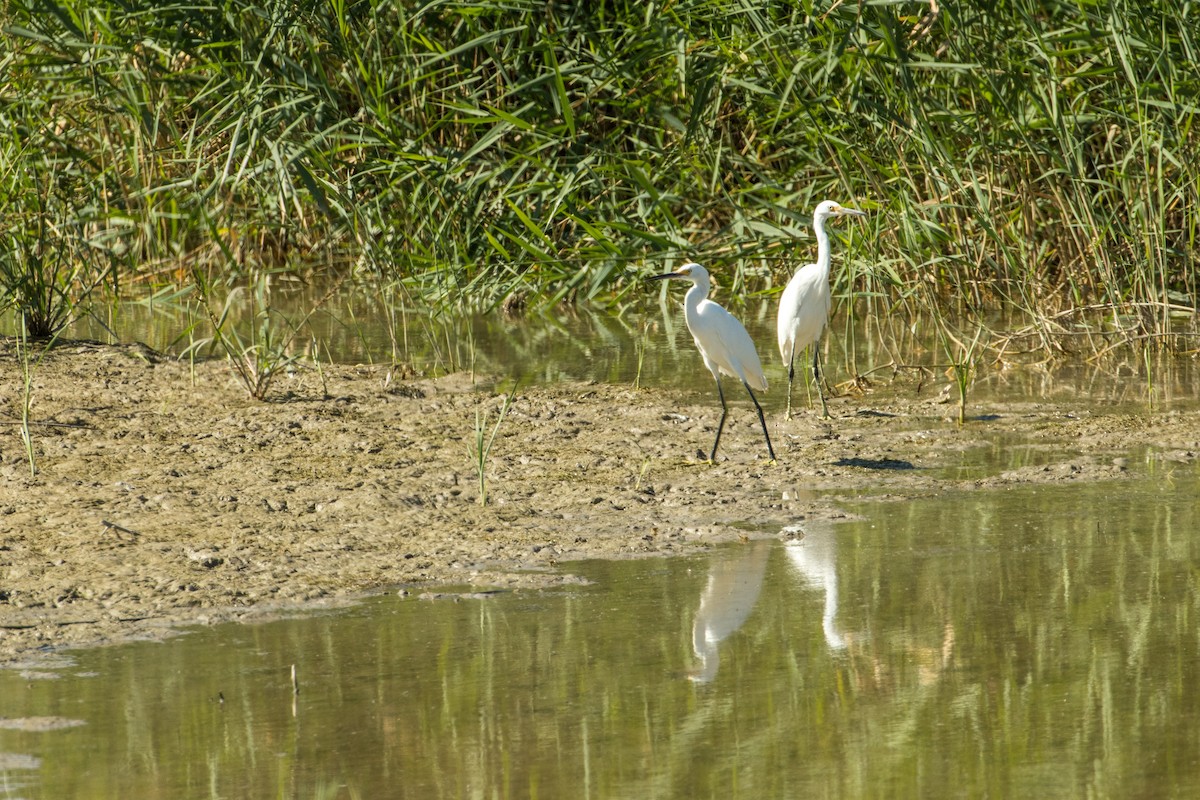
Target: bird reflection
(729,596)
(814,556)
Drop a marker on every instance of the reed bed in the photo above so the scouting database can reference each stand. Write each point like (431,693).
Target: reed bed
(1034,157)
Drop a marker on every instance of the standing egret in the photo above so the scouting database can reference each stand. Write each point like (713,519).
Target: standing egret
(804,306)
(723,344)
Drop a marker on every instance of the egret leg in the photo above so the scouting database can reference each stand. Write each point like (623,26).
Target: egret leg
(791,377)
(720,425)
(817,378)
(762,421)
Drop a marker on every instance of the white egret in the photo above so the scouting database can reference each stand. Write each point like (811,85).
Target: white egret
(814,556)
(723,344)
(734,583)
(804,306)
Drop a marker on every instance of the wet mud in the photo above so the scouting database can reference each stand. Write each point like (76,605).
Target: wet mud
(165,496)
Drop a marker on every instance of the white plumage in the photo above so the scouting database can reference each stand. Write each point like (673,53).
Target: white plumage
(723,344)
(805,303)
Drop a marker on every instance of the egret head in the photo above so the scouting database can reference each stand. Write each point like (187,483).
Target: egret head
(829,209)
(691,271)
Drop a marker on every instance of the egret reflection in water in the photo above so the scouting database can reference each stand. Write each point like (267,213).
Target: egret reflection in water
(734,583)
(813,555)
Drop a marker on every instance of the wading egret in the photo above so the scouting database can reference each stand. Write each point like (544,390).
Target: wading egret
(723,344)
(804,306)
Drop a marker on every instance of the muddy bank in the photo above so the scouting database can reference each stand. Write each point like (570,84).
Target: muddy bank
(164,495)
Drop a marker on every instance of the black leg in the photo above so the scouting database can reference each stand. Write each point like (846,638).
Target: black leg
(762,421)
(721,424)
(817,378)
(791,377)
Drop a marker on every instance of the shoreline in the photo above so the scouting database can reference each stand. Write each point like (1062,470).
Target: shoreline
(165,497)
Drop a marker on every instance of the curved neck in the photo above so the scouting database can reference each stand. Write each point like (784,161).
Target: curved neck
(695,295)
(823,256)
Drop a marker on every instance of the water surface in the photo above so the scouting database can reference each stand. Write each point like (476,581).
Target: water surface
(644,343)
(1035,642)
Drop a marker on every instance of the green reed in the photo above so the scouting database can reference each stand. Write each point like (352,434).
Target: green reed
(27,365)
(1031,156)
(480,449)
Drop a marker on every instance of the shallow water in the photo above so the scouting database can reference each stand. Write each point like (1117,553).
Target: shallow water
(647,343)
(1033,642)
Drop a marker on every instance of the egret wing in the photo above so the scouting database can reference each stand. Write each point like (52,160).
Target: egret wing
(803,311)
(725,342)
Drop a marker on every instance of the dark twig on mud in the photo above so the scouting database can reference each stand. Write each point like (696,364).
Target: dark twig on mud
(48,424)
(116,529)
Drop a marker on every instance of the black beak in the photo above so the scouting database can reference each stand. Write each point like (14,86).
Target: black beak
(660,277)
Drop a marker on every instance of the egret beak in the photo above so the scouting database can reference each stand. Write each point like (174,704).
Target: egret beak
(660,277)
(854,212)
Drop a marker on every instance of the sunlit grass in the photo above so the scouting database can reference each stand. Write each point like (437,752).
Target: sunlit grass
(28,364)
(480,448)
(1031,158)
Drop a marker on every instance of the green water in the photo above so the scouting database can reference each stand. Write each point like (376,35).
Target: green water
(1035,642)
(1028,642)
(645,342)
